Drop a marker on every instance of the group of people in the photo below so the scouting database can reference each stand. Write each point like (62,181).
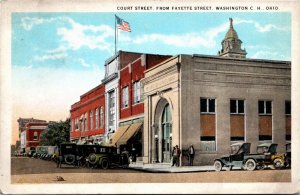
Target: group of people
(176,155)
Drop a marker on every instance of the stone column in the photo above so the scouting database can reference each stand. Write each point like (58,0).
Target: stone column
(252,126)
(278,120)
(222,124)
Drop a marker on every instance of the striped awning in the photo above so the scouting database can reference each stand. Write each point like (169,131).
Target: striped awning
(116,136)
(131,131)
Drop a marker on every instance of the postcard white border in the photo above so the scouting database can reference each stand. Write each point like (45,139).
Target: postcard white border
(9,6)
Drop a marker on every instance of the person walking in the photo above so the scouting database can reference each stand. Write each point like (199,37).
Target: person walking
(191,152)
(174,156)
(178,153)
(133,155)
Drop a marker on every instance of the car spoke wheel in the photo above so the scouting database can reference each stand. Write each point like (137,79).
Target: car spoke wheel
(92,159)
(218,165)
(104,164)
(278,164)
(250,164)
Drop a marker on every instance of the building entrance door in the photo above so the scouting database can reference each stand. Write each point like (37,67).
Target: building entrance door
(166,134)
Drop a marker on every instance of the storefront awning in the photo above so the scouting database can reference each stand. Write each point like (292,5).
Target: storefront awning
(116,136)
(129,133)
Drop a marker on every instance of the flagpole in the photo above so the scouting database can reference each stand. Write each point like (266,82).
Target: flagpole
(115,34)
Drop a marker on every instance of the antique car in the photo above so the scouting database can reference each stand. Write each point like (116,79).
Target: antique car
(240,157)
(67,154)
(106,157)
(271,156)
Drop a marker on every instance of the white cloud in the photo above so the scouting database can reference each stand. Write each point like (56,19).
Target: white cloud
(83,63)
(268,55)
(50,57)
(192,40)
(93,37)
(29,22)
(261,28)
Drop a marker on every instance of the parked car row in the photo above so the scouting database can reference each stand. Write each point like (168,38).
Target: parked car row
(266,155)
(92,156)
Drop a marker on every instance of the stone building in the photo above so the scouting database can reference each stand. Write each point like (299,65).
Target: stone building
(214,101)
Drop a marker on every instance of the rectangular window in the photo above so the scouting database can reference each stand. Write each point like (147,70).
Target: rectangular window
(35,136)
(111,117)
(137,92)
(264,107)
(125,97)
(207,105)
(265,120)
(237,106)
(288,121)
(207,124)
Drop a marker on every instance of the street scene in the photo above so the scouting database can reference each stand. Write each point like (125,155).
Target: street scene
(189,106)
(30,170)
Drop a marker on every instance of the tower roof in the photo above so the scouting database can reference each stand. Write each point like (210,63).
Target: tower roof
(231,34)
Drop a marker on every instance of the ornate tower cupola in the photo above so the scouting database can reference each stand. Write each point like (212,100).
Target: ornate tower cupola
(231,44)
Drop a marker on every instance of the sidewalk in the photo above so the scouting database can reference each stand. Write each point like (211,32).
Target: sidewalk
(167,168)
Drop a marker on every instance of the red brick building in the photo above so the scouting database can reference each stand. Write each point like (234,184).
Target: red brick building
(88,116)
(120,100)
(30,137)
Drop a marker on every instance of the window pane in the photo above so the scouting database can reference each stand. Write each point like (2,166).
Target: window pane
(241,106)
(203,105)
(232,106)
(287,107)
(211,105)
(268,107)
(261,107)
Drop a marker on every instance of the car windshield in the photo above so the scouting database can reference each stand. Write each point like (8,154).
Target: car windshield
(262,149)
(235,149)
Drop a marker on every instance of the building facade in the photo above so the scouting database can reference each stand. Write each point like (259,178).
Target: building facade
(30,138)
(88,117)
(214,101)
(22,131)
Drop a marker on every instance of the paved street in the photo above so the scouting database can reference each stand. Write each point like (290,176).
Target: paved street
(28,170)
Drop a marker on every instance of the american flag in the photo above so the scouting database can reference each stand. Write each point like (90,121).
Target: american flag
(123,25)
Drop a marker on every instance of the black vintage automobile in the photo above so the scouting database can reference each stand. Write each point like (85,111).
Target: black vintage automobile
(107,157)
(90,155)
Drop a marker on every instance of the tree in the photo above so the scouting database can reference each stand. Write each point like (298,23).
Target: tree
(56,133)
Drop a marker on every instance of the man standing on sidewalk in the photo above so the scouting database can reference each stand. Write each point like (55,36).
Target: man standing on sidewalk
(174,156)
(191,152)
(178,152)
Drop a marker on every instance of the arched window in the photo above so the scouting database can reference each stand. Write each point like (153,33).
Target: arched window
(91,120)
(97,118)
(101,117)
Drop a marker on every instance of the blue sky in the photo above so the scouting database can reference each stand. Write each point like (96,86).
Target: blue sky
(56,57)
(85,40)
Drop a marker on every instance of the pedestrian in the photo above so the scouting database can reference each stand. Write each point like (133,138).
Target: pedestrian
(125,157)
(191,152)
(178,153)
(133,155)
(174,156)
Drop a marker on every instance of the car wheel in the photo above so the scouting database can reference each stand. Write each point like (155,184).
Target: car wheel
(104,163)
(92,159)
(218,165)
(278,164)
(69,159)
(250,164)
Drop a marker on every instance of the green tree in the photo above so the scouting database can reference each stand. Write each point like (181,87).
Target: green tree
(56,133)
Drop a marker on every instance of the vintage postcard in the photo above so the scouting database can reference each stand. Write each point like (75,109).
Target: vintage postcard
(149,96)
